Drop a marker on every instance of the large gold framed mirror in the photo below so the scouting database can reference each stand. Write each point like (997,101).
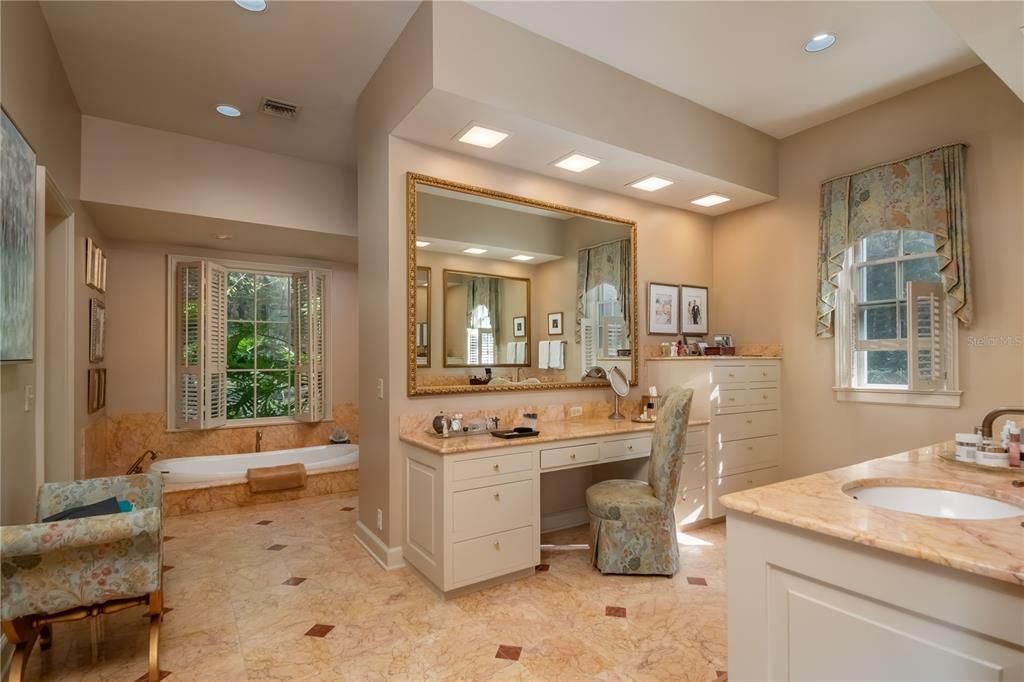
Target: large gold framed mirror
(532,295)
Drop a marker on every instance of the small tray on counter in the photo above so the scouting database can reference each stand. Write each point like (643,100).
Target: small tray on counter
(509,434)
(951,458)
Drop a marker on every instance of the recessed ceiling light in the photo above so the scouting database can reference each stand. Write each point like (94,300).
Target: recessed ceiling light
(820,42)
(711,200)
(420,244)
(222,237)
(651,183)
(475,251)
(481,137)
(522,257)
(252,5)
(228,110)
(577,163)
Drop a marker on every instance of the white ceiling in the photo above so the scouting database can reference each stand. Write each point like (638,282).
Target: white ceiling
(746,60)
(166,65)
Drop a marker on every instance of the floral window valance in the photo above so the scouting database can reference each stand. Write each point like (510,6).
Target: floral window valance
(925,192)
(608,263)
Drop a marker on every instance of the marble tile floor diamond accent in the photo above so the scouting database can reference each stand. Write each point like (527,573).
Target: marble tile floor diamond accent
(511,653)
(616,611)
(697,581)
(319,630)
(294,581)
(233,617)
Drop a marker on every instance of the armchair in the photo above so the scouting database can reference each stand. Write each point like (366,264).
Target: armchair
(69,570)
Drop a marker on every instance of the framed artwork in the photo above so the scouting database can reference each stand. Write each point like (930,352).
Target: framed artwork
(18,235)
(694,309)
(723,340)
(97,329)
(555,324)
(97,383)
(518,326)
(95,266)
(662,308)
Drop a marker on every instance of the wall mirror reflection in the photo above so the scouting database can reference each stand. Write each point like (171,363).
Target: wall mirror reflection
(507,264)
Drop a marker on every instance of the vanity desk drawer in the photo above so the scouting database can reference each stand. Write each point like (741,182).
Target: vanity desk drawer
(553,458)
(483,467)
(728,374)
(494,508)
(746,425)
(493,555)
(729,398)
(626,448)
(763,373)
(762,397)
(746,455)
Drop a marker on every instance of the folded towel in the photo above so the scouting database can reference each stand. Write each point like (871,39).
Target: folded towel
(283,477)
(521,352)
(556,355)
(111,505)
(543,353)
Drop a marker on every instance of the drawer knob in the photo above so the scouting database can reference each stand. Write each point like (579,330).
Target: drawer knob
(764,396)
(732,400)
(629,447)
(749,447)
(731,374)
(497,545)
(497,496)
(572,456)
(497,467)
(764,373)
(750,421)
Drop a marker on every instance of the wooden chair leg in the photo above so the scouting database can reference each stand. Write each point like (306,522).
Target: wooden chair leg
(46,637)
(22,634)
(156,610)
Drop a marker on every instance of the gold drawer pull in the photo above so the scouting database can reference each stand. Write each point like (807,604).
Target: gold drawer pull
(764,396)
(731,374)
(764,373)
(497,545)
(497,467)
(750,421)
(572,456)
(497,496)
(629,447)
(732,400)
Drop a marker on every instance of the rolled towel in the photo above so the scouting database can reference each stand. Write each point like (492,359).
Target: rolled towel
(282,477)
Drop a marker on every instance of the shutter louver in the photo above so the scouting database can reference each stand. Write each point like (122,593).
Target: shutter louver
(216,346)
(925,326)
(189,351)
(309,293)
(588,344)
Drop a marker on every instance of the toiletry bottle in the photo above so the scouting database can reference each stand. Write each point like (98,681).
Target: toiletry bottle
(1014,451)
(444,426)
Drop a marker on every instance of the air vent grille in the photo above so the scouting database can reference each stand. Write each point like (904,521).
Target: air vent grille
(279,109)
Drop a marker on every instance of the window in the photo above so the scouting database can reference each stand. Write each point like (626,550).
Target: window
(249,345)
(603,329)
(896,333)
(479,338)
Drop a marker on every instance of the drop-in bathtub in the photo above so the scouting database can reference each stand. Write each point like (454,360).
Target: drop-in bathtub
(222,468)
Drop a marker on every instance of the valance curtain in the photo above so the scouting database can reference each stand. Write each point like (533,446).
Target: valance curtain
(609,263)
(484,291)
(925,192)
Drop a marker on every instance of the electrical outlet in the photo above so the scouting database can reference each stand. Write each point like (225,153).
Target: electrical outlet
(380,519)
(30,397)
(576,411)
(380,389)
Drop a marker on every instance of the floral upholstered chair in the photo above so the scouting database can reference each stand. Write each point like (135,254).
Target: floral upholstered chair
(633,523)
(74,569)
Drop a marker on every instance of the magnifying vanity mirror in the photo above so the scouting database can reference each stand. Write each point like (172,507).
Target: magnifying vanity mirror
(620,387)
(531,295)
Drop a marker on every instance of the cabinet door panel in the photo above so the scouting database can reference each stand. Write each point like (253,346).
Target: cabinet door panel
(495,508)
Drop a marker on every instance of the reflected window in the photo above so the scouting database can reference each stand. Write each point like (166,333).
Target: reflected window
(480,337)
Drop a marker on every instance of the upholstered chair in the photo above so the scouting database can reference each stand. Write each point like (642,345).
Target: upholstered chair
(633,523)
(70,570)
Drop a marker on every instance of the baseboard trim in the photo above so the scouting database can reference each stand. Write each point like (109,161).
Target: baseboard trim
(566,519)
(389,558)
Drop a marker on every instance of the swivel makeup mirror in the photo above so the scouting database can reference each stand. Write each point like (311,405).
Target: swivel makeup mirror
(620,386)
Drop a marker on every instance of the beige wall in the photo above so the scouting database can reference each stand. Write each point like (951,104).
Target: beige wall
(37,95)
(764,267)
(130,165)
(137,323)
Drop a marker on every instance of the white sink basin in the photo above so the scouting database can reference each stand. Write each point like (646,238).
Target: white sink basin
(943,504)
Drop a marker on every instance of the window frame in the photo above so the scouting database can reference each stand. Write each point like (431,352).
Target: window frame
(261,267)
(846,388)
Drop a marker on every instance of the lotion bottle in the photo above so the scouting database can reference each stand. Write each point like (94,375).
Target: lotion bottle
(1014,449)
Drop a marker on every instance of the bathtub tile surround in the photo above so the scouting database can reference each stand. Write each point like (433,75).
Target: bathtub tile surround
(231,618)
(125,436)
(189,499)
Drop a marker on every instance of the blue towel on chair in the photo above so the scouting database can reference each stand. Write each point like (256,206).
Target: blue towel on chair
(111,505)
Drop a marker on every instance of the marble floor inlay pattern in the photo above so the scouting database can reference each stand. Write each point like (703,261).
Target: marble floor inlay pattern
(319,608)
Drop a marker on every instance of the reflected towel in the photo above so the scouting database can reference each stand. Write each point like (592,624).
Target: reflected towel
(521,352)
(283,477)
(556,354)
(510,352)
(543,354)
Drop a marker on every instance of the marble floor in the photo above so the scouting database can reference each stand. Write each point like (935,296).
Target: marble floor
(283,592)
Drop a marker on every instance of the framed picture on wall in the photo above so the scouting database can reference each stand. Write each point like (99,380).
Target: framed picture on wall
(694,309)
(662,308)
(97,329)
(518,326)
(95,266)
(555,324)
(97,386)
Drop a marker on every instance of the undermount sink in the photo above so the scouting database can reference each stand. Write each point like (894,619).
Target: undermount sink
(937,502)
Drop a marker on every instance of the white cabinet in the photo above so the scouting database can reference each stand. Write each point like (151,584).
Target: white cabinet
(742,398)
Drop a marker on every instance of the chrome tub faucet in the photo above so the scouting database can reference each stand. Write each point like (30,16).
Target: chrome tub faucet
(259,440)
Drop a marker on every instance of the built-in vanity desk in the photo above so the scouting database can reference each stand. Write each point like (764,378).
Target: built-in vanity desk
(472,503)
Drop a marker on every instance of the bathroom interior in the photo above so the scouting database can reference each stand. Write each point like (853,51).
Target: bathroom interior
(425,340)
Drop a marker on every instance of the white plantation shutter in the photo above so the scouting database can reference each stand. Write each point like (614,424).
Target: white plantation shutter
(309,293)
(215,363)
(201,345)
(588,343)
(927,331)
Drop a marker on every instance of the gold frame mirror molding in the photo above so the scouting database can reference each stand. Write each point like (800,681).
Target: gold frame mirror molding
(526,333)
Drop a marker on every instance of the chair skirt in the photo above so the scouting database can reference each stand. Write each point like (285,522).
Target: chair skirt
(634,548)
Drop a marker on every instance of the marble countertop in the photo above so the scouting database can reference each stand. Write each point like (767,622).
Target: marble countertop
(550,432)
(713,357)
(992,548)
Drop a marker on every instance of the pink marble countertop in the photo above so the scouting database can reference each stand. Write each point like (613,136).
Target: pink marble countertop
(550,432)
(819,503)
(714,357)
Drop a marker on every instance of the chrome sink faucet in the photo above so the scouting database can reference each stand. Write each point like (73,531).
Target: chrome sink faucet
(986,423)
(259,440)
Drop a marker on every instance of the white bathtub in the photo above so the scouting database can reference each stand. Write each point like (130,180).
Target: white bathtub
(213,468)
